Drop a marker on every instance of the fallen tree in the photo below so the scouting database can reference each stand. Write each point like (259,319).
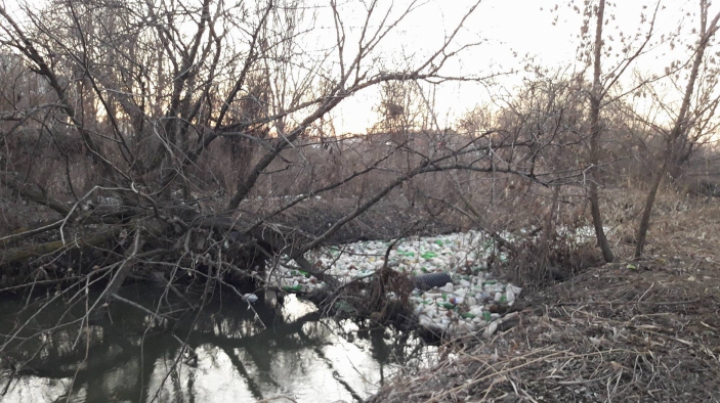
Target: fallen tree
(202,158)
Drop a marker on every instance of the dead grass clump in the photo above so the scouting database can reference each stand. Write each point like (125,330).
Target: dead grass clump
(386,298)
(611,335)
(381,300)
(547,258)
(681,224)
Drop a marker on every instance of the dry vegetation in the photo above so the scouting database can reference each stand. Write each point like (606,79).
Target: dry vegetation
(645,332)
(138,155)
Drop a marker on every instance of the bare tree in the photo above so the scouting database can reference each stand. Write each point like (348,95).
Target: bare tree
(171,105)
(602,84)
(683,123)
(595,100)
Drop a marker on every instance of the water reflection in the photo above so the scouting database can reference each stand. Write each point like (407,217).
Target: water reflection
(227,353)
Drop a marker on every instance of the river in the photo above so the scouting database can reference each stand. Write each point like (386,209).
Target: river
(225,353)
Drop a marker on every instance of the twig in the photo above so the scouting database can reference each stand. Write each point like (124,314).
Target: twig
(692,301)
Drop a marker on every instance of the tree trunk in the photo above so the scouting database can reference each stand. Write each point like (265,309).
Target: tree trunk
(595,100)
(680,127)
(23,253)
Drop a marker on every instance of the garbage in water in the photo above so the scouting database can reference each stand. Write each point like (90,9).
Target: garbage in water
(430,280)
(454,292)
(250,297)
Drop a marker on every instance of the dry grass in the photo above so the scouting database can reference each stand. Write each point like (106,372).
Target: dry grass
(607,335)
(682,224)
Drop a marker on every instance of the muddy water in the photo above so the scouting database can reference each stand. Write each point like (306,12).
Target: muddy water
(231,353)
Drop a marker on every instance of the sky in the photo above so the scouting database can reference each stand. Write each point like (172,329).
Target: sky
(505,28)
(511,32)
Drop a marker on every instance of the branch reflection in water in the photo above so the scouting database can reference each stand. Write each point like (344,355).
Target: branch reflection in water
(223,355)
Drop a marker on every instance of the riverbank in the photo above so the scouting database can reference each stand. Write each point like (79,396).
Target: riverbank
(644,330)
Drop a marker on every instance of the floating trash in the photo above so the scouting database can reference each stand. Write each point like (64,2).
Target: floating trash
(430,280)
(249,297)
(453,293)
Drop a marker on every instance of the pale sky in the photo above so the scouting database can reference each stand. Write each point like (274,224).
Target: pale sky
(509,32)
(512,30)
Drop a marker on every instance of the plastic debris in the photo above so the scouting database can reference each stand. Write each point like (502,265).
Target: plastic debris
(249,297)
(454,290)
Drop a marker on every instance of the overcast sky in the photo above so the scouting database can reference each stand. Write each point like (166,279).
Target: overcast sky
(509,31)
(512,30)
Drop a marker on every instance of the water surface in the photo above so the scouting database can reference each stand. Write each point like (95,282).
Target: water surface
(226,353)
